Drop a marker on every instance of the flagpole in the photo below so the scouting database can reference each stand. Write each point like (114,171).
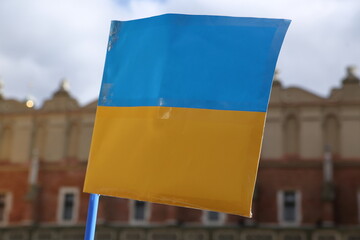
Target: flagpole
(91,218)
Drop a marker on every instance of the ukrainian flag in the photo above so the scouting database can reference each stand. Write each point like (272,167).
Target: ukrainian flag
(181,111)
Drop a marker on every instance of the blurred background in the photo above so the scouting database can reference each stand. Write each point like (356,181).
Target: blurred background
(52,55)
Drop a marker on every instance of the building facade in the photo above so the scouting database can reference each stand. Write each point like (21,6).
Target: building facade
(308,184)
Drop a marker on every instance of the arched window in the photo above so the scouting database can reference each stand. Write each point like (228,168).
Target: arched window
(6,143)
(72,139)
(331,133)
(291,138)
(40,140)
(85,135)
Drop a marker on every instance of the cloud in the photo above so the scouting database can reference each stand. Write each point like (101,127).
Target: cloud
(43,41)
(322,39)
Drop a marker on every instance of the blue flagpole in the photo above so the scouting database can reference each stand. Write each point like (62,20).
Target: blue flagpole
(91,218)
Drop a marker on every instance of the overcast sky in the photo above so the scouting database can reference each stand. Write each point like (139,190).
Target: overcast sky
(43,41)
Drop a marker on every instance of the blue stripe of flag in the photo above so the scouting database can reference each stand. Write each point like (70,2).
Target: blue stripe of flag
(192,61)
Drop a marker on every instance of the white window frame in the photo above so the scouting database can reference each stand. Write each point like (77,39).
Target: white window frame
(280,208)
(207,222)
(136,222)
(61,197)
(8,206)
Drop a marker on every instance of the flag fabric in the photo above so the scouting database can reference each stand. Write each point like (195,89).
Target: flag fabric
(181,111)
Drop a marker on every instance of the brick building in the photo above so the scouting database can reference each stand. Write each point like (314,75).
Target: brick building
(308,183)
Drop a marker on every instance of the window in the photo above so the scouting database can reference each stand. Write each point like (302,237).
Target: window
(291,136)
(73,138)
(213,218)
(40,140)
(68,205)
(332,133)
(289,207)
(5,200)
(139,212)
